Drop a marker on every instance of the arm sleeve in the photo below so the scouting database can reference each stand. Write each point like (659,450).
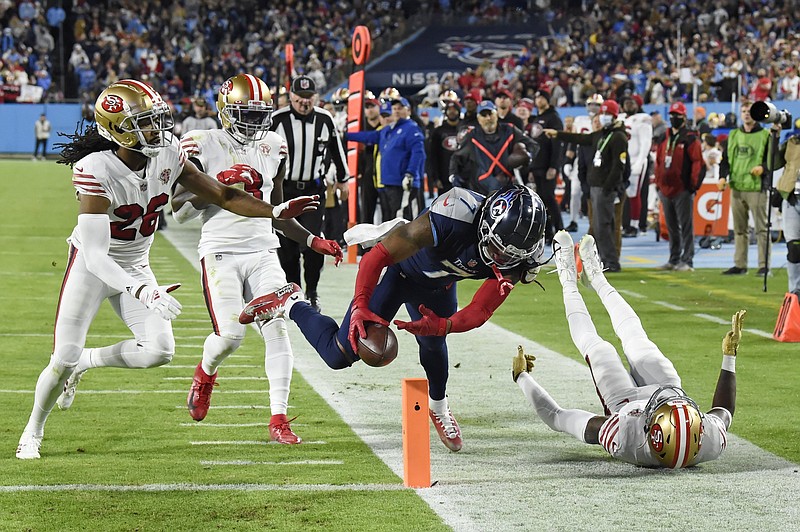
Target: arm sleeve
(364,137)
(95,242)
(584,139)
(369,270)
(486,300)
(416,165)
(616,148)
(570,421)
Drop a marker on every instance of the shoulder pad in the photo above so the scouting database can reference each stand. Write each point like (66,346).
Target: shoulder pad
(459,204)
(274,146)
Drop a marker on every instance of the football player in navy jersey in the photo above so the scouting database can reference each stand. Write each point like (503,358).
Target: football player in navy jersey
(463,235)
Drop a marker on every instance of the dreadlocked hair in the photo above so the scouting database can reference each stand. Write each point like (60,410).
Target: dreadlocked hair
(84,141)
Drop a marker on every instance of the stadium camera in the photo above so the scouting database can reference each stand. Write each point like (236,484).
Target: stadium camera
(766,112)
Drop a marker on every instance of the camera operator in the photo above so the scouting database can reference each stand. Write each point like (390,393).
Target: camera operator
(744,162)
(788,187)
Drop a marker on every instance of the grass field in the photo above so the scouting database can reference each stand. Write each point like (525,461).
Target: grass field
(334,481)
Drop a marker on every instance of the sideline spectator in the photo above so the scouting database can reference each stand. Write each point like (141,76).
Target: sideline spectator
(444,143)
(545,164)
(789,188)
(42,132)
(200,120)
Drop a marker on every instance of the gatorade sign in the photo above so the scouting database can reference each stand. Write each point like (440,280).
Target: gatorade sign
(711,208)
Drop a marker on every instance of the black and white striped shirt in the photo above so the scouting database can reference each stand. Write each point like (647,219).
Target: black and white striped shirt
(313,144)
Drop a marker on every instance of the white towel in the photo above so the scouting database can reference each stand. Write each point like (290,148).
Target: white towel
(370,234)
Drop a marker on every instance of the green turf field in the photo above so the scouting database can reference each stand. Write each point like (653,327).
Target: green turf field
(335,482)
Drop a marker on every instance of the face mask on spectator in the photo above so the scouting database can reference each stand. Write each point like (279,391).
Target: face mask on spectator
(605,120)
(677,121)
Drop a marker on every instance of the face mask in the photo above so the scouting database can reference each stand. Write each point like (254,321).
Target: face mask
(606,120)
(676,121)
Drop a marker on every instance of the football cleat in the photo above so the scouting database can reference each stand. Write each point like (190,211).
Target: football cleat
(592,267)
(281,432)
(200,393)
(70,387)
(448,429)
(564,256)
(271,305)
(28,448)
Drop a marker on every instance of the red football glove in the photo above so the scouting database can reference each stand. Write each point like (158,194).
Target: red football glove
(295,207)
(239,173)
(357,327)
(428,325)
(328,247)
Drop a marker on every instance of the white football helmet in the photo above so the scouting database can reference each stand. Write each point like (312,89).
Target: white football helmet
(339,98)
(389,94)
(133,115)
(244,106)
(674,427)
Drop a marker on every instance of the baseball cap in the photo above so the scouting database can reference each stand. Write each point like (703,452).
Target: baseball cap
(402,101)
(304,86)
(526,103)
(677,108)
(486,105)
(609,107)
(544,93)
(474,95)
(386,108)
(503,92)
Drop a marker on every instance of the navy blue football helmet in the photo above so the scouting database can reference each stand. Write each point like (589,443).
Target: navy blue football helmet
(511,227)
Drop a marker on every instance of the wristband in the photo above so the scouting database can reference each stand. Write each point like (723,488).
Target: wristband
(729,363)
(310,239)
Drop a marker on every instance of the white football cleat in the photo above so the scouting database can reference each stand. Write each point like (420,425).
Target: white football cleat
(70,387)
(592,267)
(28,448)
(564,257)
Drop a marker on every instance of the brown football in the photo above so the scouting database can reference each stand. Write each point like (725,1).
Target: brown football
(519,156)
(379,348)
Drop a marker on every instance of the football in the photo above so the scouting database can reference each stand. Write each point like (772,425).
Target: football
(379,347)
(519,156)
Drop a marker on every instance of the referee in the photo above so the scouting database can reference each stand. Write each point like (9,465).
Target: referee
(313,145)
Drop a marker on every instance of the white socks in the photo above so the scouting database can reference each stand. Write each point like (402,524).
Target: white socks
(278,364)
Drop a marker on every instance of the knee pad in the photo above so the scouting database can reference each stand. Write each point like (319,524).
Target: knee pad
(793,251)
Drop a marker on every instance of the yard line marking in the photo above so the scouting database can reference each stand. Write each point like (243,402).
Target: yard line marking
(628,293)
(669,306)
(201,487)
(250,462)
(237,407)
(32,274)
(252,442)
(184,320)
(715,319)
(171,366)
(136,392)
(197,356)
(758,333)
(225,425)
(219,379)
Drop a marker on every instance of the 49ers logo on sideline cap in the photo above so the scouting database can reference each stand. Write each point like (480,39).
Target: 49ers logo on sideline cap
(112,103)
(226,87)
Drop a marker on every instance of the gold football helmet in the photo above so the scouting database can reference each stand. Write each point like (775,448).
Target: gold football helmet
(389,94)
(244,106)
(593,104)
(133,115)
(448,98)
(674,427)
(339,98)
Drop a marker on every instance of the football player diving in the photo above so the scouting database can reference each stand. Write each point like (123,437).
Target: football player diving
(463,235)
(649,419)
(123,170)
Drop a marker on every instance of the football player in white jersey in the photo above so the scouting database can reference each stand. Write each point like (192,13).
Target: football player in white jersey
(639,126)
(123,171)
(649,419)
(580,124)
(238,255)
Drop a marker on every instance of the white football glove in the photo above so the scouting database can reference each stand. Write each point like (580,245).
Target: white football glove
(157,298)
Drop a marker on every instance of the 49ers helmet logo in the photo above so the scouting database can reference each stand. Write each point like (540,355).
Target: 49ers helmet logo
(112,103)
(226,87)
(657,438)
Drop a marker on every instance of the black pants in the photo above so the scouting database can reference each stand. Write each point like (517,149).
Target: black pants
(392,199)
(290,251)
(43,144)
(367,199)
(546,188)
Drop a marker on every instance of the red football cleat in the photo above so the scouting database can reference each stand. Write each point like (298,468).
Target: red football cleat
(270,305)
(281,432)
(448,429)
(200,393)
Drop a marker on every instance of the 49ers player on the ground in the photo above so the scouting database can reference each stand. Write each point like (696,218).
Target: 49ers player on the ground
(123,171)
(649,419)
(238,255)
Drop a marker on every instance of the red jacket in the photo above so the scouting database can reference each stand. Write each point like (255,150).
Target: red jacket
(685,164)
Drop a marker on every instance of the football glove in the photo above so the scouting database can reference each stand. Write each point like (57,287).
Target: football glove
(430,324)
(358,316)
(157,298)
(408,181)
(730,344)
(239,173)
(295,207)
(327,247)
(521,362)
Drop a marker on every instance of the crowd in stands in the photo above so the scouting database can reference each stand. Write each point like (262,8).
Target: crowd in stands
(186,48)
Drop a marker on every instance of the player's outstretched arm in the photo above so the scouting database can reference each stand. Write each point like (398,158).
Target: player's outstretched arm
(581,424)
(724,401)
(238,201)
